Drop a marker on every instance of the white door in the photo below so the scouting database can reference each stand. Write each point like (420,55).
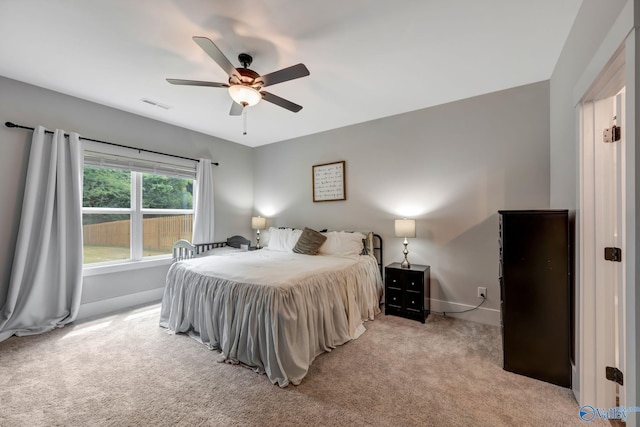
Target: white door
(603,111)
(608,168)
(617,236)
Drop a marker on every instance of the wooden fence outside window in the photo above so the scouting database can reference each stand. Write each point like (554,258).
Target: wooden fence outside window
(158,233)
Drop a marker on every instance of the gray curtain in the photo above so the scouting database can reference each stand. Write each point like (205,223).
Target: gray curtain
(46,276)
(203,224)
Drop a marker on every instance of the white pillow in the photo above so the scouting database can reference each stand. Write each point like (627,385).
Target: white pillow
(283,239)
(342,243)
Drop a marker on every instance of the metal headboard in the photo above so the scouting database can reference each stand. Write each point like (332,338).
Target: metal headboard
(183,249)
(377,251)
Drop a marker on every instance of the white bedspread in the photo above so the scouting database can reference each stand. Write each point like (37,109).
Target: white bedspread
(272,311)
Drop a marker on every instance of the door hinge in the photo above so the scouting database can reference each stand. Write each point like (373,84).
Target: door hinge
(614,374)
(611,134)
(613,254)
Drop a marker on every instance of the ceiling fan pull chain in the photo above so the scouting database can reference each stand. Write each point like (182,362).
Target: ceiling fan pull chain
(244,121)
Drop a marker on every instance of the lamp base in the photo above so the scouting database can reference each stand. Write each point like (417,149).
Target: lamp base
(405,263)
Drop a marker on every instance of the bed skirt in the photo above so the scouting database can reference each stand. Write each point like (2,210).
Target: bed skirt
(278,331)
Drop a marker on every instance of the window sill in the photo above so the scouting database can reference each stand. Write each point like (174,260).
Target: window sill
(98,269)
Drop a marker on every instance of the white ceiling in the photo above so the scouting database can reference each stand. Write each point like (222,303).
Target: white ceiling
(368,58)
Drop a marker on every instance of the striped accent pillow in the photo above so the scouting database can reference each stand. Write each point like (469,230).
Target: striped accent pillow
(309,242)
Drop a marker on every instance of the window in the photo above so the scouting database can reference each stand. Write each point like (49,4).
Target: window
(130,215)
(106,214)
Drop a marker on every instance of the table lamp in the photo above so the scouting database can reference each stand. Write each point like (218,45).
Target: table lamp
(258,223)
(405,228)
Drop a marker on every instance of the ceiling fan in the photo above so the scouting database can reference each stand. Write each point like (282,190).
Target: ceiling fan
(245,85)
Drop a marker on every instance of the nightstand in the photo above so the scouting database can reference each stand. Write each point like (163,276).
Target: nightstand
(407,291)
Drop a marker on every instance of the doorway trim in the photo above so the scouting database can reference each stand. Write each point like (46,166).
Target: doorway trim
(596,307)
(618,45)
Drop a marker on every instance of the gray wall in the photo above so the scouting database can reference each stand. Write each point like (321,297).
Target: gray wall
(31,106)
(451,167)
(593,22)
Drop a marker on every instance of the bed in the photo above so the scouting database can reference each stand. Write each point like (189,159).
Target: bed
(274,310)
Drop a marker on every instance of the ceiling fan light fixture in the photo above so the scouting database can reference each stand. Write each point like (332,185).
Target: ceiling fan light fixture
(244,95)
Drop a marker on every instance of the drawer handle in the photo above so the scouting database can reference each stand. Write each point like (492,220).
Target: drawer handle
(394,298)
(394,280)
(412,284)
(413,302)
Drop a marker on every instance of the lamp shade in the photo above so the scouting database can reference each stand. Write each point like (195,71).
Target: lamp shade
(244,95)
(405,228)
(258,222)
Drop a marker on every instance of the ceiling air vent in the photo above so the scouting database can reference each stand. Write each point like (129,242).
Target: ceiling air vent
(155,104)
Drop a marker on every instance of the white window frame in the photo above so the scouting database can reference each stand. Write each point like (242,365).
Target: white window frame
(136,211)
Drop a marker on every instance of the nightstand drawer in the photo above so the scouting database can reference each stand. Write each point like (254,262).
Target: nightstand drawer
(394,298)
(414,282)
(394,279)
(413,301)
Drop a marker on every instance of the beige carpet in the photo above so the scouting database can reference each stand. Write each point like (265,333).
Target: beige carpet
(123,370)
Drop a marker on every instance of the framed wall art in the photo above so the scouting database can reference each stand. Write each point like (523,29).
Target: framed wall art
(328,182)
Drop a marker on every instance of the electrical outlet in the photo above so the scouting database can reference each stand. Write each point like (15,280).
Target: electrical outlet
(482,292)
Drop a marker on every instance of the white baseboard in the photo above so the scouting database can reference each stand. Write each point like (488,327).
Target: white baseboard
(488,316)
(107,306)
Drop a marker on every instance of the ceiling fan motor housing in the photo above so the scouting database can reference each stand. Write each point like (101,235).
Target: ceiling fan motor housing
(247,77)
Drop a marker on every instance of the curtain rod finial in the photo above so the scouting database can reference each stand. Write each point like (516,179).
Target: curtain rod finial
(9,124)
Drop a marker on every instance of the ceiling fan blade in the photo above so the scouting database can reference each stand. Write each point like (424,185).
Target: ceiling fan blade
(196,83)
(236,109)
(281,102)
(286,74)
(212,50)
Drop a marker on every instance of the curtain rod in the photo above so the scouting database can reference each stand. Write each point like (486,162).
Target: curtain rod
(13,125)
